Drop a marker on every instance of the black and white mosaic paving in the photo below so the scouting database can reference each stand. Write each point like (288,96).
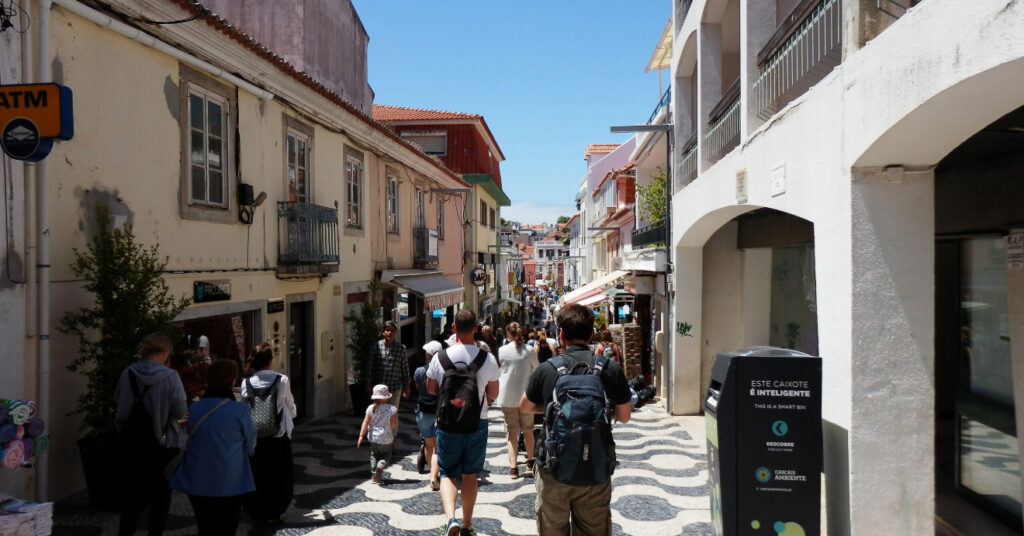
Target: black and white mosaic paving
(660,488)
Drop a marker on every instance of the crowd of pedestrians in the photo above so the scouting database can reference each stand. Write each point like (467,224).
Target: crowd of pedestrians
(233,450)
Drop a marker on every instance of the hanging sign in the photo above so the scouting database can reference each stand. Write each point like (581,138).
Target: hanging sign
(478,276)
(32,116)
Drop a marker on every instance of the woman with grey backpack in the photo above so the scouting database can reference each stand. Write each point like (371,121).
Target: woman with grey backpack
(273,409)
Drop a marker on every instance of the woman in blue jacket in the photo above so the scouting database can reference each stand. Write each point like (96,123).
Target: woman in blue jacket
(214,472)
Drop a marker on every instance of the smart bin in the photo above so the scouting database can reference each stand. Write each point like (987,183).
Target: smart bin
(763,417)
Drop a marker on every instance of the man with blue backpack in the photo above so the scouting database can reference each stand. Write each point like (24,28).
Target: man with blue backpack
(579,393)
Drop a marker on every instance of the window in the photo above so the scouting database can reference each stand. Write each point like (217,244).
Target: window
(421,208)
(207,175)
(432,142)
(207,142)
(392,203)
(440,218)
(492,218)
(353,190)
(483,213)
(297,159)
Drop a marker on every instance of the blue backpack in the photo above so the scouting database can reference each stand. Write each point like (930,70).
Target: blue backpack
(578,445)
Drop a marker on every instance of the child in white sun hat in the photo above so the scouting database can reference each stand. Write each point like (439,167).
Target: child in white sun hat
(379,429)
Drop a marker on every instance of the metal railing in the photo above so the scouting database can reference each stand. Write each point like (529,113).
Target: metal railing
(666,100)
(724,120)
(687,163)
(652,235)
(682,6)
(307,233)
(799,55)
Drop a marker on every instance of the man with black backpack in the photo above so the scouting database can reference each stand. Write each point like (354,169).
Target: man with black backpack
(578,392)
(150,400)
(463,377)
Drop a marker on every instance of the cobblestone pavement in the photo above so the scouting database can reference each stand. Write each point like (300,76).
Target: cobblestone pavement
(660,488)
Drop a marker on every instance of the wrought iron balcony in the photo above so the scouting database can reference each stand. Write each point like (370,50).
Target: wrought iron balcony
(805,48)
(687,163)
(307,236)
(651,236)
(724,121)
(424,247)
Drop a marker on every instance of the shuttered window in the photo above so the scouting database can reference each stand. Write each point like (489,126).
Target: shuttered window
(433,142)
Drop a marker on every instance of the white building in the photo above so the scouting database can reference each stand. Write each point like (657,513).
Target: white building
(852,190)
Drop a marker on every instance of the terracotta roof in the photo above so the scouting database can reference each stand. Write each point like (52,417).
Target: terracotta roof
(219,23)
(382,112)
(599,148)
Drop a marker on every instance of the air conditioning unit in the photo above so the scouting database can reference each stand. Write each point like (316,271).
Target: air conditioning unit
(424,245)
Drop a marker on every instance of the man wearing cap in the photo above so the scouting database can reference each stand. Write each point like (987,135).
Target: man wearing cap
(388,365)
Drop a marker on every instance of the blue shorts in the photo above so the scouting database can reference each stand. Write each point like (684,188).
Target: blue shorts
(427,423)
(461,454)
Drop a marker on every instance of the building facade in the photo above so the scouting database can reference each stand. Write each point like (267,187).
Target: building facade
(860,204)
(269,195)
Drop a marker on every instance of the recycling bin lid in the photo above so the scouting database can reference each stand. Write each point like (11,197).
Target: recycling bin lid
(768,351)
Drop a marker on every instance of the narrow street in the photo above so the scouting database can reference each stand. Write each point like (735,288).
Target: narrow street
(660,488)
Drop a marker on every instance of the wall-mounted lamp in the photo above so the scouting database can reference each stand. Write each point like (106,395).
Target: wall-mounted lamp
(247,203)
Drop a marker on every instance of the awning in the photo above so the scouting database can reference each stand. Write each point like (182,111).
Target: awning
(512,300)
(594,299)
(436,290)
(593,287)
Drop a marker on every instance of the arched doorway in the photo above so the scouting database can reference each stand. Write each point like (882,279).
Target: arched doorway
(978,203)
(745,276)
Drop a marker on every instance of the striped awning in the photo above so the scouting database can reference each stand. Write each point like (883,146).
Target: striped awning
(436,290)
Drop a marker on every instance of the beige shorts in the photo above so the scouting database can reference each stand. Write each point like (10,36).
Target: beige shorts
(517,421)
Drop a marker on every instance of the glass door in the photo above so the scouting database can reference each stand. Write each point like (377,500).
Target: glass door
(987,458)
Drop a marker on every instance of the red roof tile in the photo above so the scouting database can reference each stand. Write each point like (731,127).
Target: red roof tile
(382,112)
(599,148)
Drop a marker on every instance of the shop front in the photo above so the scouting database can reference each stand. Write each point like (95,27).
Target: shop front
(214,332)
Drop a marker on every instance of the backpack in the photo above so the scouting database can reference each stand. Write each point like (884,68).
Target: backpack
(138,429)
(458,399)
(609,351)
(263,408)
(578,445)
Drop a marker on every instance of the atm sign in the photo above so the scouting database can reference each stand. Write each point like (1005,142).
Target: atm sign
(46,105)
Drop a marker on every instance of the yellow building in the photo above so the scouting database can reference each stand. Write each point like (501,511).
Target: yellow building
(274,200)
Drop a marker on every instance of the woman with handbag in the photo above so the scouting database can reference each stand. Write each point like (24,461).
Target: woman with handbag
(214,471)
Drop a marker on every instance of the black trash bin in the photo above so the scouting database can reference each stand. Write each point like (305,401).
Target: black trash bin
(763,416)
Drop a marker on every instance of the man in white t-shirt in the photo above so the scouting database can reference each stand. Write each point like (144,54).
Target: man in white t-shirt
(462,454)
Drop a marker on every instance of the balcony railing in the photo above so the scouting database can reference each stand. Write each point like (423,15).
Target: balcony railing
(308,234)
(666,100)
(652,235)
(724,120)
(682,6)
(687,163)
(424,247)
(805,48)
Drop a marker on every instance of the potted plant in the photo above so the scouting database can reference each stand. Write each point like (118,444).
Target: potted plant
(131,300)
(363,327)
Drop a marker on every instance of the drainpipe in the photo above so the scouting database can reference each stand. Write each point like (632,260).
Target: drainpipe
(43,75)
(28,174)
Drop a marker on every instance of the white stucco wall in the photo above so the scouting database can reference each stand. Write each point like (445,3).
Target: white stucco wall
(908,97)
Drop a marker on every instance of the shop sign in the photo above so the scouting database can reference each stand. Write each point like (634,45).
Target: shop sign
(478,276)
(208,291)
(275,306)
(31,117)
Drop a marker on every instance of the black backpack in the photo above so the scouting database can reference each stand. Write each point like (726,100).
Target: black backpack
(578,448)
(458,399)
(263,408)
(137,431)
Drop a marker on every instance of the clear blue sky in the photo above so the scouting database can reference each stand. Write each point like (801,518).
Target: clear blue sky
(549,77)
